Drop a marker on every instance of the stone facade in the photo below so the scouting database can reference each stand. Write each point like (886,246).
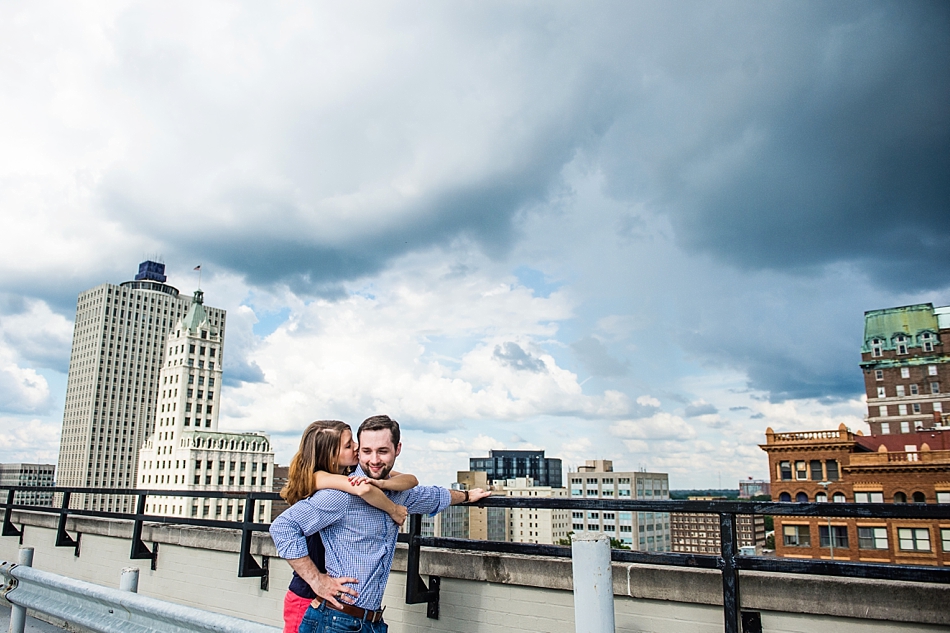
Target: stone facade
(186,451)
(112,392)
(699,533)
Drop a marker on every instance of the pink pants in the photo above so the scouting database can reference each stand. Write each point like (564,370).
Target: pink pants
(294,608)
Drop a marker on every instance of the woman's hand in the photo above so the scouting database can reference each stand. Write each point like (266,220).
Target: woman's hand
(399,515)
(357,480)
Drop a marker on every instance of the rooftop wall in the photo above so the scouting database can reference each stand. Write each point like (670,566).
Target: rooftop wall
(484,592)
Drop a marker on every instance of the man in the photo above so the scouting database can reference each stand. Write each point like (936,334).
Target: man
(360,540)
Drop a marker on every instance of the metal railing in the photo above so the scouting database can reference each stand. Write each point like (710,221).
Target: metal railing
(728,562)
(108,610)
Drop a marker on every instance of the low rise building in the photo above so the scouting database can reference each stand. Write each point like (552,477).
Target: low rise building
(700,532)
(642,531)
(29,475)
(844,467)
(754,488)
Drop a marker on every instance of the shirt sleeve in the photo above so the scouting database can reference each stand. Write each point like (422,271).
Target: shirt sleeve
(425,499)
(291,529)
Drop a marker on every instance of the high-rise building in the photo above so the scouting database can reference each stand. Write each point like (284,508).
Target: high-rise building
(844,467)
(503,465)
(642,531)
(113,390)
(906,368)
(185,450)
(470,522)
(29,475)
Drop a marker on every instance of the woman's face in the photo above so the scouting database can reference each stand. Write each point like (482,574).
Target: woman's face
(348,453)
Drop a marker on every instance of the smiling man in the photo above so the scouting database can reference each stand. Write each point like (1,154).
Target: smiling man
(360,540)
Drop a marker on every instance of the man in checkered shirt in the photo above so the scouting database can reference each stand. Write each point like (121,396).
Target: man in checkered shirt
(360,540)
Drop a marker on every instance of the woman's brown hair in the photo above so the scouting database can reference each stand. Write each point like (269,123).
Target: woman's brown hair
(319,450)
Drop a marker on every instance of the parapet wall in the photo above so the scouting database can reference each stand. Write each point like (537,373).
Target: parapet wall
(483,592)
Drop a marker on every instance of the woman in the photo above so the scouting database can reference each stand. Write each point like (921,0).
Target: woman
(327,454)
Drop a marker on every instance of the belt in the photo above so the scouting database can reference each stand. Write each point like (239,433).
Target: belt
(357,612)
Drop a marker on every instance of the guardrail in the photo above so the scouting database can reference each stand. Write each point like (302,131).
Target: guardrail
(729,562)
(108,610)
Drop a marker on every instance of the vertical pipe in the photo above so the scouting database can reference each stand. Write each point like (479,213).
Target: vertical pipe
(593,583)
(18,613)
(129,581)
(730,573)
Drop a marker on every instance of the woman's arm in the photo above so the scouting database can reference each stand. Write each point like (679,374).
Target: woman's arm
(369,493)
(396,482)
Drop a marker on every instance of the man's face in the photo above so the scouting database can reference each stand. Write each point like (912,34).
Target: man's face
(377,453)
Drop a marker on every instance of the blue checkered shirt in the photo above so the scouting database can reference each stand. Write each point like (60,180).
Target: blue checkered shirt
(360,540)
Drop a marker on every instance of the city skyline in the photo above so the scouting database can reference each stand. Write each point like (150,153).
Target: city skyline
(642,233)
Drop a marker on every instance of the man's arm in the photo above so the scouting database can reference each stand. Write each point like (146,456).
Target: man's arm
(475,494)
(326,588)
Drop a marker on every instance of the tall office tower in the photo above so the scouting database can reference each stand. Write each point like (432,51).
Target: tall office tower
(112,392)
(504,465)
(185,450)
(907,368)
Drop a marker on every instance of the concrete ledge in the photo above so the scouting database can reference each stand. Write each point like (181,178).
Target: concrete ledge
(860,599)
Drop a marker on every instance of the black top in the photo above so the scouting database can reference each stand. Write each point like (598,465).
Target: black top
(318,555)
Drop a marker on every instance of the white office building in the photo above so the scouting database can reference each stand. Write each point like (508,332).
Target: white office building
(113,388)
(641,531)
(186,451)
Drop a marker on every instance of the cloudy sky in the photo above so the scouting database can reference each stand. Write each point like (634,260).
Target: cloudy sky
(635,231)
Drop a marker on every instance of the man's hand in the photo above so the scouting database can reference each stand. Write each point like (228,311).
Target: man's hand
(475,494)
(334,591)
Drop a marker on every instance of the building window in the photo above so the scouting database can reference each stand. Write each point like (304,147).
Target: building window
(872,538)
(943,497)
(935,387)
(920,497)
(914,390)
(801,497)
(838,497)
(800,471)
(900,391)
(785,470)
(915,407)
(928,342)
(931,370)
(945,539)
(902,409)
(882,411)
(900,497)
(901,344)
(869,497)
(816,471)
(876,348)
(885,427)
(879,374)
(796,536)
(905,372)
(839,536)
(938,407)
(914,539)
(905,426)
(821,498)
(785,497)
(881,393)
(831,467)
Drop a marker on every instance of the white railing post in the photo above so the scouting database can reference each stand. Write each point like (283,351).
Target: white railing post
(18,613)
(129,581)
(593,584)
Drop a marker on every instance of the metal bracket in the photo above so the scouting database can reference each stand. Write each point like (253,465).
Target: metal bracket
(62,538)
(247,566)
(140,550)
(8,528)
(416,589)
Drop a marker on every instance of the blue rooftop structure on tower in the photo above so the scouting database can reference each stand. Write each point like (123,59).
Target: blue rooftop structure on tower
(151,271)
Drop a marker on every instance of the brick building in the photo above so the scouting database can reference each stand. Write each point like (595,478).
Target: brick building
(906,368)
(845,467)
(699,533)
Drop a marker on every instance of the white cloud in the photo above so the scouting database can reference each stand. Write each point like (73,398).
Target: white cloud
(648,401)
(661,425)
(28,440)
